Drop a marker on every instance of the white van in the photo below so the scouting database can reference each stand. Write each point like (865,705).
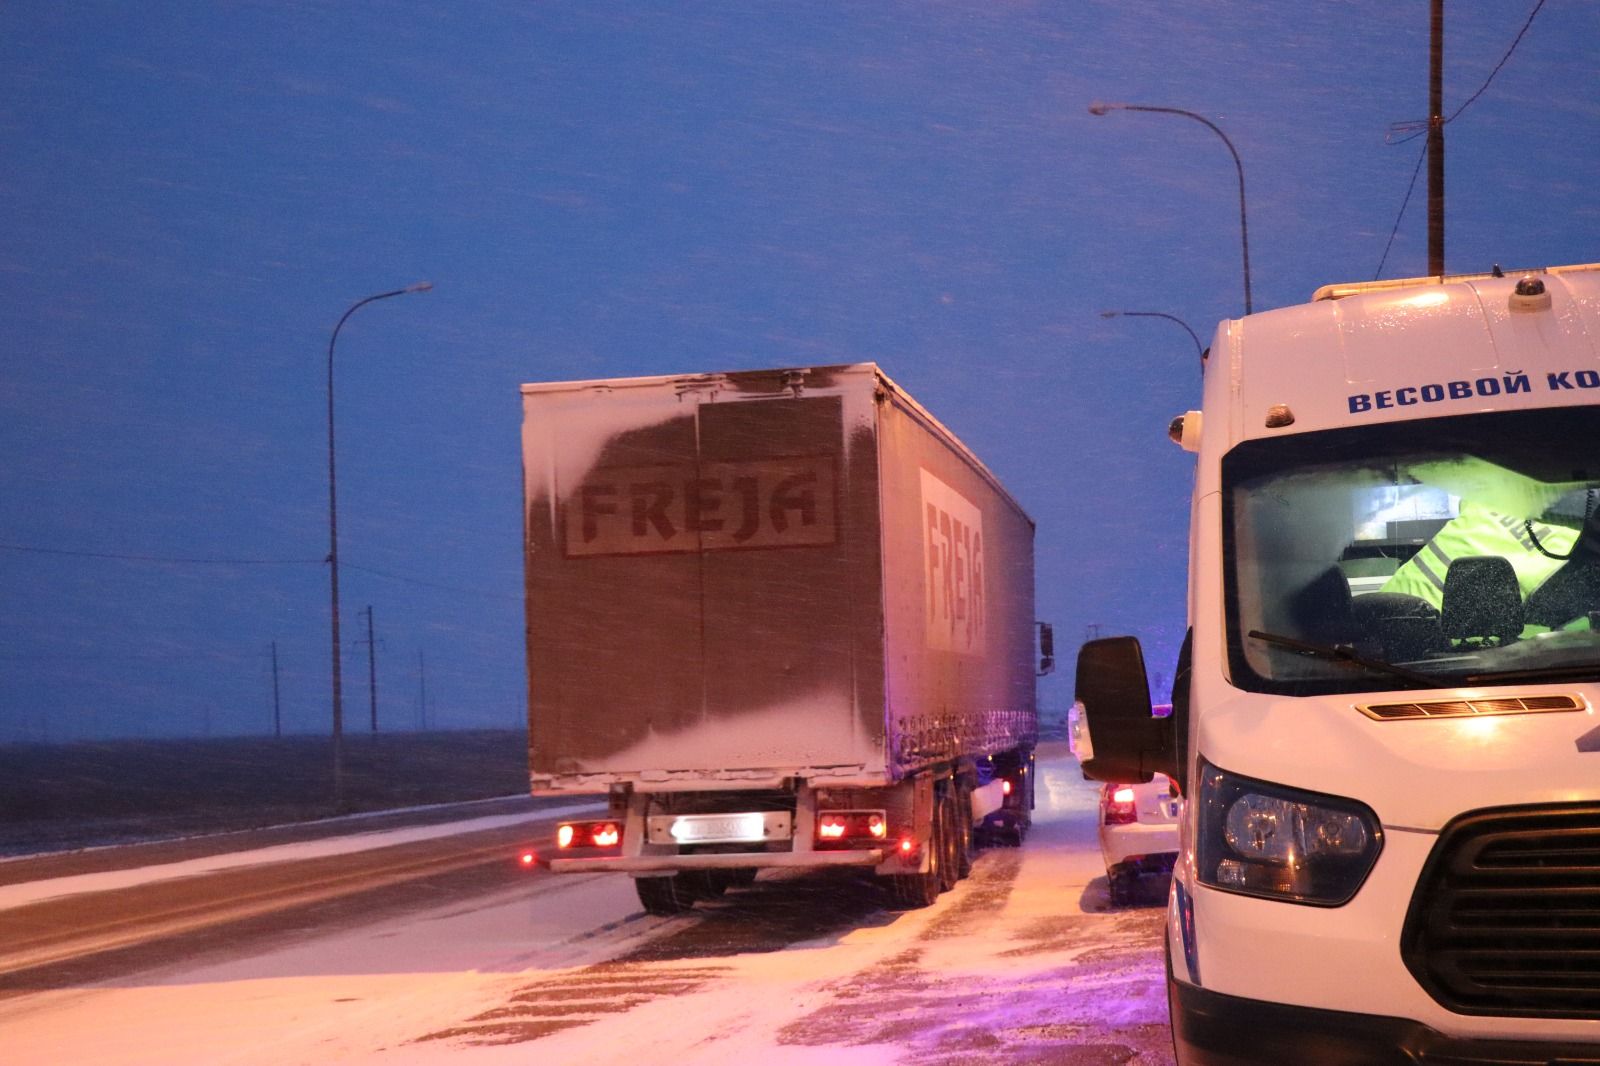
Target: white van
(1385,723)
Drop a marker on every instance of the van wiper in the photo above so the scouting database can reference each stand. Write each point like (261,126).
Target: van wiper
(1344,653)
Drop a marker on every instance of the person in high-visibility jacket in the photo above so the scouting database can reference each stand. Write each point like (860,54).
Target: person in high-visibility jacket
(1478,530)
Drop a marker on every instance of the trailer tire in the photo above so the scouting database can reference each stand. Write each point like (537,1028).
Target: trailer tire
(700,884)
(662,895)
(738,877)
(949,846)
(965,842)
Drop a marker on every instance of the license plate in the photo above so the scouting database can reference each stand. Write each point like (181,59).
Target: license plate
(732,827)
(736,828)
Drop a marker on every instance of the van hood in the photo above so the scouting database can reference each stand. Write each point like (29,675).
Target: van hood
(1417,771)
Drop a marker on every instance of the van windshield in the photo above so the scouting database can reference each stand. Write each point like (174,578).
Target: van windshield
(1463,549)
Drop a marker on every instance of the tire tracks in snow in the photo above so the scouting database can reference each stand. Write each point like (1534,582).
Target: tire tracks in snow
(1063,989)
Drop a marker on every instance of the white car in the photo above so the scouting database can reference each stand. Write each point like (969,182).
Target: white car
(1138,835)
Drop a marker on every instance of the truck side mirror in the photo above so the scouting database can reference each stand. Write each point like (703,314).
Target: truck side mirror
(1129,744)
(1047,648)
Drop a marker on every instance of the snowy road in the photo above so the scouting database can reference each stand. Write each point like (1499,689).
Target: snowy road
(1022,963)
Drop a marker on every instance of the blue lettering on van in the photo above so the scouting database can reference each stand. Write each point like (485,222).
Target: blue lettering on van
(1509,383)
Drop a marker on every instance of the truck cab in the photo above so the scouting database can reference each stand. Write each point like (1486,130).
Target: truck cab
(1384,722)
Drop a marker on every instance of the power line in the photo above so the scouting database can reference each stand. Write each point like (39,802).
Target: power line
(433,584)
(1518,40)
(214,655)
(212,561)
(159,558)
(1417,127)
(1409,189)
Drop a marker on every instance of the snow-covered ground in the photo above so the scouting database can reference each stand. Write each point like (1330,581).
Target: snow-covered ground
(1023,963)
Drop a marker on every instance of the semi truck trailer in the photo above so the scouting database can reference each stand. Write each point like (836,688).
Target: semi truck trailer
(1384,717)
(778,619)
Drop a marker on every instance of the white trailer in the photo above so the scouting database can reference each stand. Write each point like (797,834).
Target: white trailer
(1385,721)
(780,618)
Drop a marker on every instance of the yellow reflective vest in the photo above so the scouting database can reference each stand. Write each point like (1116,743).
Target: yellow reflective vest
(1479,531)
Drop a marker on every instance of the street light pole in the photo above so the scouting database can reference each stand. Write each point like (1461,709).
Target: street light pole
(333,548)
(1199,350)
(1098,108)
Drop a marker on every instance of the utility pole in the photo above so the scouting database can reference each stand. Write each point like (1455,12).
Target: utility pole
(277,707)
(372,670)
(1436,141)
(422,690)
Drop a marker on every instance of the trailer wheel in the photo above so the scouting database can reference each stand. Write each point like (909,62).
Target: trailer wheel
(662,895)
(700,884)
(949,845)
(965,844)
(738,877)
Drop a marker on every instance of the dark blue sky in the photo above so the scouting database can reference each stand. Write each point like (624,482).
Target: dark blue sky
(193,193)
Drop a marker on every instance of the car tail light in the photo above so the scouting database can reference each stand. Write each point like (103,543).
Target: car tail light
(1005,787)
(1119,805)
(588,835)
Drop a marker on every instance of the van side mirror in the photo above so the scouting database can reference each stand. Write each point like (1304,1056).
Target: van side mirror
(1047,648)
(1129,743)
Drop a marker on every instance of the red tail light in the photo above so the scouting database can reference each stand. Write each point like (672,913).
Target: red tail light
(588,835)
(852,826)
(1119,805)
(1005,787)
(529,858)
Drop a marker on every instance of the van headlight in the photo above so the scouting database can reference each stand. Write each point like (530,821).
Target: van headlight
(1261,839)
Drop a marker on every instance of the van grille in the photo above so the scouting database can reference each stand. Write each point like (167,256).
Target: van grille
(1471,708)
(1506,917)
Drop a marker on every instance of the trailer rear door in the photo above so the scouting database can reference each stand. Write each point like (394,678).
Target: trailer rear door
(692,588)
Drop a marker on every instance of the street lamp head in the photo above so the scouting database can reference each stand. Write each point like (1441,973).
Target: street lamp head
(1100,107)
(421,286)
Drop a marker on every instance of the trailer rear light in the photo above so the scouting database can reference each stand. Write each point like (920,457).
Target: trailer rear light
(852,826)
(1005,787)
(588,835)
(908,850)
